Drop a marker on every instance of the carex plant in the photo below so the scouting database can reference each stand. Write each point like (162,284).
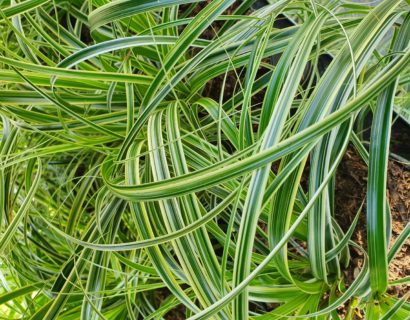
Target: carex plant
(153,153)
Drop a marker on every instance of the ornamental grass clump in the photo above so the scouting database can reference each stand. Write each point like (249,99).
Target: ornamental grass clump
(178,158)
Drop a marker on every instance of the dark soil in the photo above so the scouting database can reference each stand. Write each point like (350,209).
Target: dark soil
(399,199)
(400,140)
(351,183)
(350,194)
(177,313)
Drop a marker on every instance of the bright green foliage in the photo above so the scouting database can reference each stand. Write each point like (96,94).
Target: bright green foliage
(124,178)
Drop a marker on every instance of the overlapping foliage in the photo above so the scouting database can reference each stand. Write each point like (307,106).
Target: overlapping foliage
(128,187)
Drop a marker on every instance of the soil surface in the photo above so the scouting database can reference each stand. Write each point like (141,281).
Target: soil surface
(399,198)
(351,183)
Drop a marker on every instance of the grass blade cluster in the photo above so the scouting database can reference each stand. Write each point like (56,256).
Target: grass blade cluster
(159,156)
